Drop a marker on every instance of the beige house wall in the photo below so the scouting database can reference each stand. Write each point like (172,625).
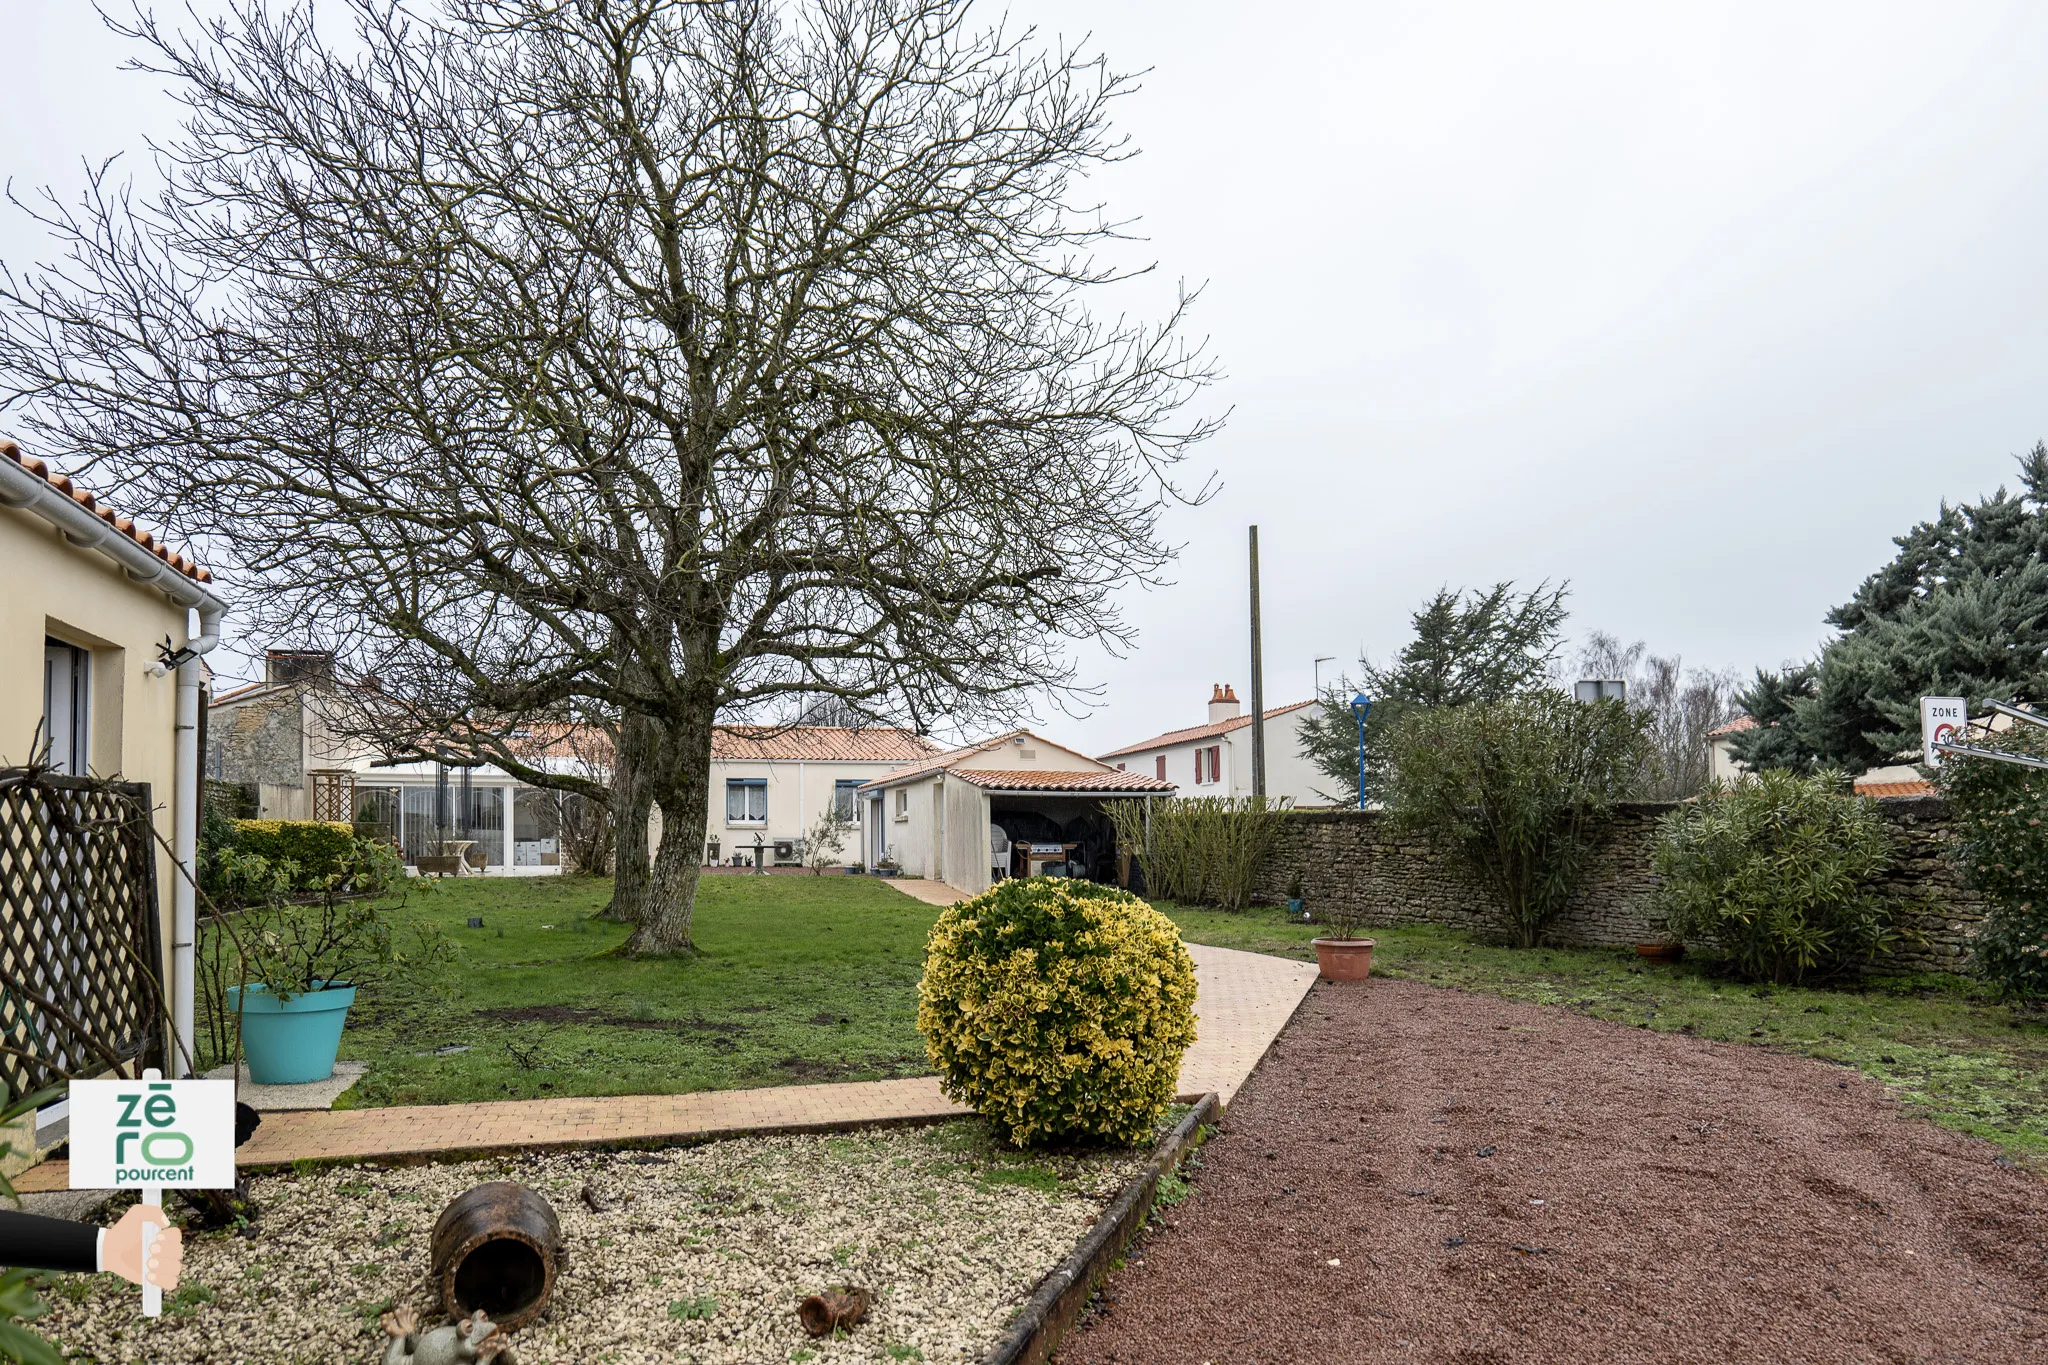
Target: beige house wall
(799,794)
(82,597)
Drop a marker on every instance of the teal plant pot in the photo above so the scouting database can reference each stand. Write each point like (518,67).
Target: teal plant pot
(291,1042)
(1294,904)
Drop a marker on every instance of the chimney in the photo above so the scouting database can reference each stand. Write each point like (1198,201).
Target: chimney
(1223,703)
(312,666)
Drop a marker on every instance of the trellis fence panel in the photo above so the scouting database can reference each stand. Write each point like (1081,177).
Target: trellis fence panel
(81,951)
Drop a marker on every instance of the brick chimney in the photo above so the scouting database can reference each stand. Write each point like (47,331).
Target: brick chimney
(1223,703)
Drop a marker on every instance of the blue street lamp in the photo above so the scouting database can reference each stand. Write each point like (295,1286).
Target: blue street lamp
(1361,707)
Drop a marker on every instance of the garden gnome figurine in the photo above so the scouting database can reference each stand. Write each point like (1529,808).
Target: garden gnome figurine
(472,1341)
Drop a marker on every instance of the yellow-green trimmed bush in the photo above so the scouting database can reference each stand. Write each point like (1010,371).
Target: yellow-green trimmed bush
(319,847)
(1058,1009)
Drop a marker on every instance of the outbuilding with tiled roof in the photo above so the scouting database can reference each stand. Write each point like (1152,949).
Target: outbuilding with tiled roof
(1018,804)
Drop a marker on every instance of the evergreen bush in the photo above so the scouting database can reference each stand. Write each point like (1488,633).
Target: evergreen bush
(2001,850)
(1204,850)
(1775,873)
(1058,1009)
(318,847)
(1512,788)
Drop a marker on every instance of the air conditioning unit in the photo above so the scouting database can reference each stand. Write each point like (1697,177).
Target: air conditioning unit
(785,850)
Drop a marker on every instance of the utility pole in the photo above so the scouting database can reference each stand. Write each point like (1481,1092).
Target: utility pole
(1258,684)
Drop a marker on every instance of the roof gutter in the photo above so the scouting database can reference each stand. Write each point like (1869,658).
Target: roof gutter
(89,531)
(1077,791)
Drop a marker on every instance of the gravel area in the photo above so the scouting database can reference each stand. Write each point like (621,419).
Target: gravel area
(1420,1175)
(700,1255)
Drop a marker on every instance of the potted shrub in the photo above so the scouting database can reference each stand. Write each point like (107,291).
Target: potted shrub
(1294,896)
(856,869)
(886,866)
(1341,954)
(301,965)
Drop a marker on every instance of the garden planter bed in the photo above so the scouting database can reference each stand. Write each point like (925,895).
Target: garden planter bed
(699,1253)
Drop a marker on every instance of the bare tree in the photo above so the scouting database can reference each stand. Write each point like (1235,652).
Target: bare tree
(826,840)
(662,358)
(1682,704)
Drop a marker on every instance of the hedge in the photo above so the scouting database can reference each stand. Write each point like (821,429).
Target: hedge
(317,846)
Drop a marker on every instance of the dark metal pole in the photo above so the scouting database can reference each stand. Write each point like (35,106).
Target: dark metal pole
(1258,684)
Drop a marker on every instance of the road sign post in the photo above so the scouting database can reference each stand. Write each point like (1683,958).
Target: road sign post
(1943,720)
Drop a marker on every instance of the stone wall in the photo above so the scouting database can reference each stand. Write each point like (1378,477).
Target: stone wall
(1359,858)
(261,740)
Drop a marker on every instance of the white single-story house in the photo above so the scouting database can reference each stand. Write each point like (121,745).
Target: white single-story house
(1215,758)
(1015,805)
(769,785)
(772,785)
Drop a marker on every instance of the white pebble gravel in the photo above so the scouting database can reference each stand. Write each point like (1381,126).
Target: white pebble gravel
(702,1254)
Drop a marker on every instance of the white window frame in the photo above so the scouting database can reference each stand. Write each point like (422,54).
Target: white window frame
(903,803)
(750,785)
(68,666)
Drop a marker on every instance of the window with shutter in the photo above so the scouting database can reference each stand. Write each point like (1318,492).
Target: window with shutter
(1160,764)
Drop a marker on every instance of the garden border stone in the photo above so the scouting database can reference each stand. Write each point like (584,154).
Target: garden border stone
(1057,1303)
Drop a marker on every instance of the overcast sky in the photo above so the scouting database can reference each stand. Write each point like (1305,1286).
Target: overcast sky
(1694,307)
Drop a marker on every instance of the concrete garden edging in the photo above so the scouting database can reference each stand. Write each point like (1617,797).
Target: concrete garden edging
(1057,1303)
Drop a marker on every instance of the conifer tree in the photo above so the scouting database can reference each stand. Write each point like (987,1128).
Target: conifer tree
(1962,611)
(1468,647)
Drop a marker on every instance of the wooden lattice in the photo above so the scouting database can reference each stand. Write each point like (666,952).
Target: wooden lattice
(334,794)
(81,947)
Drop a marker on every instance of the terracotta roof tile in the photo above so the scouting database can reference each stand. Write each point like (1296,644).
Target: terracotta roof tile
(1195,732)
(940,760)
(1884,789)
(1052,780)
(184,564)
(819,744)
(1733,727)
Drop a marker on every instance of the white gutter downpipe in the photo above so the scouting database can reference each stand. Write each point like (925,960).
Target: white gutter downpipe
(88,530)
(185,849)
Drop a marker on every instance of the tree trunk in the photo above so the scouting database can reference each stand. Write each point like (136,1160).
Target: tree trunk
(678,780)
(632,802)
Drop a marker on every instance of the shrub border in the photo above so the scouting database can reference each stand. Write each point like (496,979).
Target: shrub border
(1056,1304)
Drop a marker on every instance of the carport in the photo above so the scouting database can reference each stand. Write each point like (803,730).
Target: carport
(1048,821)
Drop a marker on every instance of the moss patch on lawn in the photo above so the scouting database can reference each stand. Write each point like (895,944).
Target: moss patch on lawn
(1941,1042)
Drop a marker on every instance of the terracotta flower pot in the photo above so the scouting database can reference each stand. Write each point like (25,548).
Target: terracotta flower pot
(1344,959)
(1660,952)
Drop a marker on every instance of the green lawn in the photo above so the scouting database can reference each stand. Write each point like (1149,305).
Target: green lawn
(813,979)
(1941,1042)
(799,979)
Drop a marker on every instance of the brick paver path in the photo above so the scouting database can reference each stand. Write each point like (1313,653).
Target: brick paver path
(1244,1000)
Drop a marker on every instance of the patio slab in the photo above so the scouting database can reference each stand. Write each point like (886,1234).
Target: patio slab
(272,1099)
